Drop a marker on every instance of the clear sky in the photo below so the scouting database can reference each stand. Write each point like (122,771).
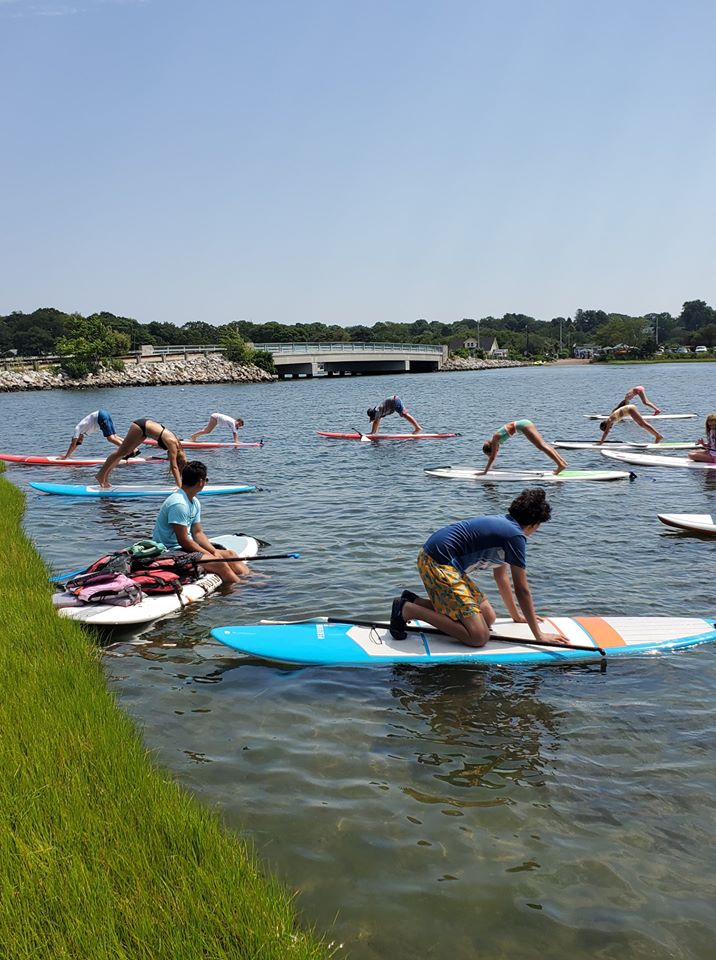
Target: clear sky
(355,161)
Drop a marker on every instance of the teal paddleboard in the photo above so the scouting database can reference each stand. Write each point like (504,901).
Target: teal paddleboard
(131,490)
(346,644)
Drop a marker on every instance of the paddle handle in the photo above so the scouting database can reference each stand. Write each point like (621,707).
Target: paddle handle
(493,636)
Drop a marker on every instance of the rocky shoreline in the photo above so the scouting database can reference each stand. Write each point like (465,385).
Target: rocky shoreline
(201,369)
(455,364)
(212,368)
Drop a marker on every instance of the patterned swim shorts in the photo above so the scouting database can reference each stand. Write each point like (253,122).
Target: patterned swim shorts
(451,592)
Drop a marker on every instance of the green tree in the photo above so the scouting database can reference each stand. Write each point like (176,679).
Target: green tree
(89,343)
(695,314)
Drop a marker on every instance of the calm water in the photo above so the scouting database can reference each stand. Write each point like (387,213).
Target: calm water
(433,812)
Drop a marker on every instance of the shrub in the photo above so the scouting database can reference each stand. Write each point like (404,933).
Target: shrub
(264,360)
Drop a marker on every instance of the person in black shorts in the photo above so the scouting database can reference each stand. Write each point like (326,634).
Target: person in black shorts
(392,405)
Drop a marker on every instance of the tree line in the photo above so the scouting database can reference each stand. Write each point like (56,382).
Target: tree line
(51,331)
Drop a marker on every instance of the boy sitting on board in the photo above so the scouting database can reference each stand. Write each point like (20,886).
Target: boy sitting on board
(179,527)
(231,423)
(392,405)
(455,605)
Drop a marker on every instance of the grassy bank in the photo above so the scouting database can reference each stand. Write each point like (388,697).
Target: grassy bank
(102,855)
(692,359)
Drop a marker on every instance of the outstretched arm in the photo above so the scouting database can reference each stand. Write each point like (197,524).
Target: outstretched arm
(494,450)
(502,580)
(74,443)
(605,433)
(524,598)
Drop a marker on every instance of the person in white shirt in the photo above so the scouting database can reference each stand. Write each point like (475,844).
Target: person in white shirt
(97,420)
(231,423)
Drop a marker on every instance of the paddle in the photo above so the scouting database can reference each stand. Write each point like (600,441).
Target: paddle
(363,437)
(272,556)
(493,636)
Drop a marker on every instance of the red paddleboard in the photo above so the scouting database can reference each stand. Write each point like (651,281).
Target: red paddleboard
(386,436)
(198,445)
(72,462)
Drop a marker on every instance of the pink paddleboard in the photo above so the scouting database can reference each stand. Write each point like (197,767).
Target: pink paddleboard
(72,462)
(198,445)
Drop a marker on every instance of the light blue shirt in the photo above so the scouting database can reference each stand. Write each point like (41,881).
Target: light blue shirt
(179,509)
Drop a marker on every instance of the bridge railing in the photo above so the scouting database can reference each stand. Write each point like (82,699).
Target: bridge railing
(347,347)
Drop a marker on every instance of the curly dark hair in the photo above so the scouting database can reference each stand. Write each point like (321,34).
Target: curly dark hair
(530,507)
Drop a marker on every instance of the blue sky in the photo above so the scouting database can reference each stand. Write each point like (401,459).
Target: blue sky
(355,161)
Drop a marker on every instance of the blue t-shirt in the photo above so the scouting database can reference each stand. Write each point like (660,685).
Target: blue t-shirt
(480,542)
(177,508)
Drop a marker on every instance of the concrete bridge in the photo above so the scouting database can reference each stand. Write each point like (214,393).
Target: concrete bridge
(342,359)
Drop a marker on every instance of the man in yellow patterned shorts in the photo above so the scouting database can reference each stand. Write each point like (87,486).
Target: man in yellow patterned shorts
(455,605)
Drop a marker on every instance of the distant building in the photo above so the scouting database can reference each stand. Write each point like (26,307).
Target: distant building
(587,351)
(487,344)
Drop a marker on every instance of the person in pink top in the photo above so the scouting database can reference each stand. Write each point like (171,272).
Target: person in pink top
(706,444)
(639,392)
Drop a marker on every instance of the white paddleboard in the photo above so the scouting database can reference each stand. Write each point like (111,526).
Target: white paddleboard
(646,416)
(619,445)
(153,606)
(649,460)
(691,522)
(527,476)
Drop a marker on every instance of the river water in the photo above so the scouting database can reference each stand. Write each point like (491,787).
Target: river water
(441,812)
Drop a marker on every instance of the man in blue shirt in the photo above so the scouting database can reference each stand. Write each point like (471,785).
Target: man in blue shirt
(455,605)
(178,525)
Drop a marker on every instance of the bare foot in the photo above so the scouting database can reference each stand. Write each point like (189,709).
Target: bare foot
(657,411)
(561,468)
(658,438)
(101,482)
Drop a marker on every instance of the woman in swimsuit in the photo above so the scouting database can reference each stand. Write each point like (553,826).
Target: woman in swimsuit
(621,413)
(633,394)
(140,431)
(492,447)
(707,453)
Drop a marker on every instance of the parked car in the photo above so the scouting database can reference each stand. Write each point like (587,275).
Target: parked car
(701,349)
(682,350)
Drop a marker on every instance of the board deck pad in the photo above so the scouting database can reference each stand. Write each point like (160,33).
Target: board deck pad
(344,644)
(650,460)
(690,522)
(131,490)
(527,476)
(386,436)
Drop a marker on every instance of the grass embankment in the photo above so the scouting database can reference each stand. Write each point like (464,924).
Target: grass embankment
(101,855)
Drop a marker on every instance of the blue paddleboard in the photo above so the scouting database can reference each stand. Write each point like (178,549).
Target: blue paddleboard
(320,642)
(131,490)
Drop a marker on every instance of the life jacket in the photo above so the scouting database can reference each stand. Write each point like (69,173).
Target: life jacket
(183,565)
(157,580)
(115,589)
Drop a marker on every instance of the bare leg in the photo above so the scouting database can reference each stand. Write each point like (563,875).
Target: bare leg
(207,429)
(375,425)
(416,426)
(535,437)
(229,572)
(115,439)
(130,443)
(701,456)
(641,422)
(473,631)
(647,403)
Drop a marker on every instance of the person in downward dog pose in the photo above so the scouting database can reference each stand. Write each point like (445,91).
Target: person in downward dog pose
(97,420)
(231,423)
(491,447)
(633,394)
(139,431)
(621,413)
(392,405)
(707,443)
(455,605)
(178,525)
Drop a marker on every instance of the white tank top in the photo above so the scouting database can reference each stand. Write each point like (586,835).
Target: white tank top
(228,422)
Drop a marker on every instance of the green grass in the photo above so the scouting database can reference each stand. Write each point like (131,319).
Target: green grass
(101,854)
(699,358)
